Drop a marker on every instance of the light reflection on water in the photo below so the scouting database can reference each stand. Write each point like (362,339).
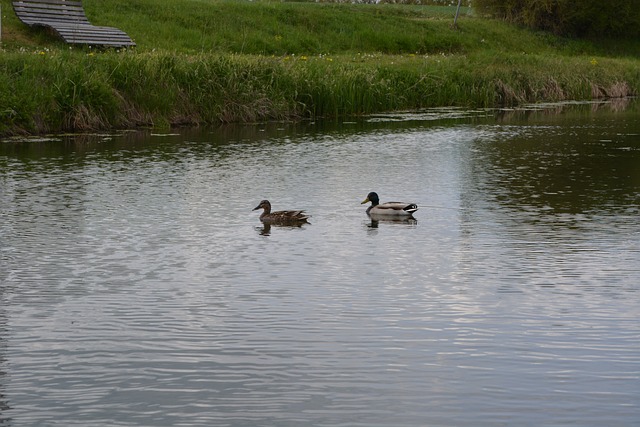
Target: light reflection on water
(138,287)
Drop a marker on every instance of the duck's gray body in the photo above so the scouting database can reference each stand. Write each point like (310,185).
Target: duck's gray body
(388,208)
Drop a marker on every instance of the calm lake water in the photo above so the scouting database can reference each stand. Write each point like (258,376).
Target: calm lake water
(138,287)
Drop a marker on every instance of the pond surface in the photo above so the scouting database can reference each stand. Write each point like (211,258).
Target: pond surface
(138,287)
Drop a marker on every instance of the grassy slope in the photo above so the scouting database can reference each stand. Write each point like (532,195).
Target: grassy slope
(277,28)
(274,60)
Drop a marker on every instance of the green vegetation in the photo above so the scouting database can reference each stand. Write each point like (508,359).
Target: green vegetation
(587,18)
(212,61)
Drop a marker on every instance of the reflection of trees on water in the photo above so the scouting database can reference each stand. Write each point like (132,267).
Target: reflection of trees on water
(569,163)
(558,111)
(547,200)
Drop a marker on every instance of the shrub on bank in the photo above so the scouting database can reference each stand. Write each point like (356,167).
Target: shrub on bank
(586,18)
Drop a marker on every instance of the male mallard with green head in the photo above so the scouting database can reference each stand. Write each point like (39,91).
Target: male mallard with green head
(282,217)
(388,208)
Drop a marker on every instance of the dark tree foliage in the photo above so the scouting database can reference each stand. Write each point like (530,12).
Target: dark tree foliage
(580,18)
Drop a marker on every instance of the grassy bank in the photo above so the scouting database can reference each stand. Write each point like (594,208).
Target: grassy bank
(208,61)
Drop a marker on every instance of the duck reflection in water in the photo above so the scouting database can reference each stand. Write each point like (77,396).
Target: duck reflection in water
(290,218)
(265,230)
(385,219)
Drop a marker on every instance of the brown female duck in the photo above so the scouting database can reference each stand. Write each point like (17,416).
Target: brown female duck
(281,217)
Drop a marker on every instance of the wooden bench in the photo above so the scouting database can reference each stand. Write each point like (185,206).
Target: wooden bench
(67,18)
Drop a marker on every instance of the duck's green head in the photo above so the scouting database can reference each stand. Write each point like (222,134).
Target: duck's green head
(373,198)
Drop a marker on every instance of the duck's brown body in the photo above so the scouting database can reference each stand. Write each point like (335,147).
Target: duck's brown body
(281,217)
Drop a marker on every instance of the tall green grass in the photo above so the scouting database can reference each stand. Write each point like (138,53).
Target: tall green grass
(56,91)
(210,61)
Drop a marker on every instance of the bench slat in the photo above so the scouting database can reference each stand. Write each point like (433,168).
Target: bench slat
(54,17)
(50,8)
(30,4)
(56,3)
(22,10)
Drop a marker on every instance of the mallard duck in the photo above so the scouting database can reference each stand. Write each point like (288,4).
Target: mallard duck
(389,208)
(291,217)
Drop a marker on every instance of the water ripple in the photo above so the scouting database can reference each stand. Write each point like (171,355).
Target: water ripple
(137,287)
